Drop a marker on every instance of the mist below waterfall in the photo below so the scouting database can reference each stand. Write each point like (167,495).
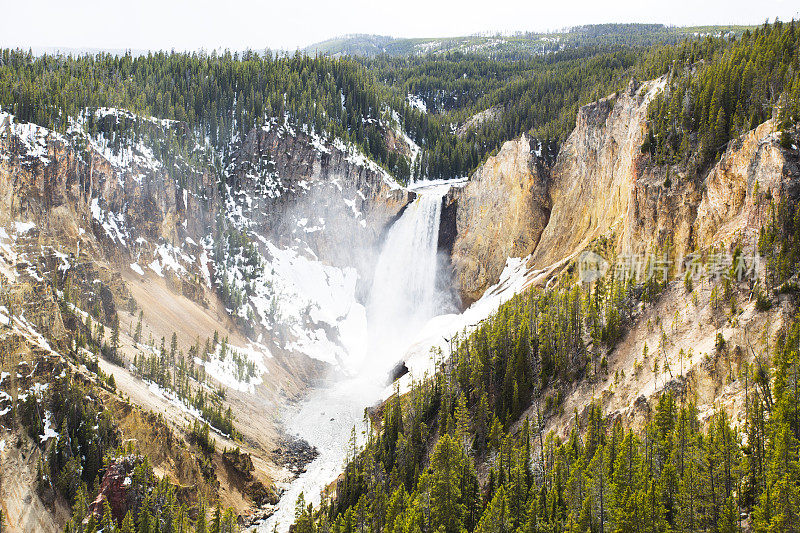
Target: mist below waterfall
(404,293)
(403,298)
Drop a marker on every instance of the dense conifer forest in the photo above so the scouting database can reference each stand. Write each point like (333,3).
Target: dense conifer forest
(739,80)
(519,45)
(716,93)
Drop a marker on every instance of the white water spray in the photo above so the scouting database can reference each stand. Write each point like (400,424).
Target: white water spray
(403,298)
(404,295)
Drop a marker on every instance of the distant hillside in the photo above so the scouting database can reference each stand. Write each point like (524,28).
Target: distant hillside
(358,44)
(516,45)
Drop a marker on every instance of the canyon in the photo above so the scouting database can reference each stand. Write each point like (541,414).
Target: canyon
(311,240)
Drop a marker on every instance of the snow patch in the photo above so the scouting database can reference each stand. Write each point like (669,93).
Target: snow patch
(112,223)
(64,266)
(327,294)
(49,432)
(155,266)
(24,227)
(234,369)
(417,102)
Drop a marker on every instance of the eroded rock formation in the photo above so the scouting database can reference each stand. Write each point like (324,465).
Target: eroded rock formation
(602,184)
(500,213)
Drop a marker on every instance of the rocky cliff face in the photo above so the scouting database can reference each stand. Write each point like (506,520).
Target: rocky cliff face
(500,213)
(729,205)
(601,184)
(595,172)
(298,187)
(524,202)
(752,172)
(104,209)
(129,203)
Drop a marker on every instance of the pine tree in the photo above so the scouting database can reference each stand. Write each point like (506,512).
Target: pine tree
(145,518)
(173,347)
(447,509)
(496,518)
(107,518)
(200,524)
(462,423)
(216,521)
(127,524)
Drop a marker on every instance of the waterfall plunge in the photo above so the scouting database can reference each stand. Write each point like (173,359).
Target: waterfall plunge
(404,295)
(403,298)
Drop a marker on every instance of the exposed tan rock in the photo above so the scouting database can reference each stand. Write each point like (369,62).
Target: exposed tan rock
(500,213)
(603,185)
(514,206)
(595,172)
(660,216)
(738,189)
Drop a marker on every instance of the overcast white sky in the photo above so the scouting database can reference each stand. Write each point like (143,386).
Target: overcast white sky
(288,24)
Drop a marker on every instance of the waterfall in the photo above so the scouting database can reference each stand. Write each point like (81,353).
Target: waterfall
(402,300)
(404,295)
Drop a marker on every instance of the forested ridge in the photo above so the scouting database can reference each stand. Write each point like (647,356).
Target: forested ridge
(740,80)
(539,95)
(716,93)
(519,45)
(222,96)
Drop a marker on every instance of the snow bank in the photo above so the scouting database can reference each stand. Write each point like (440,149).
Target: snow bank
(112,223)
(24,227)
(327,294)
(231,370)
(49,432)
(417,102)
